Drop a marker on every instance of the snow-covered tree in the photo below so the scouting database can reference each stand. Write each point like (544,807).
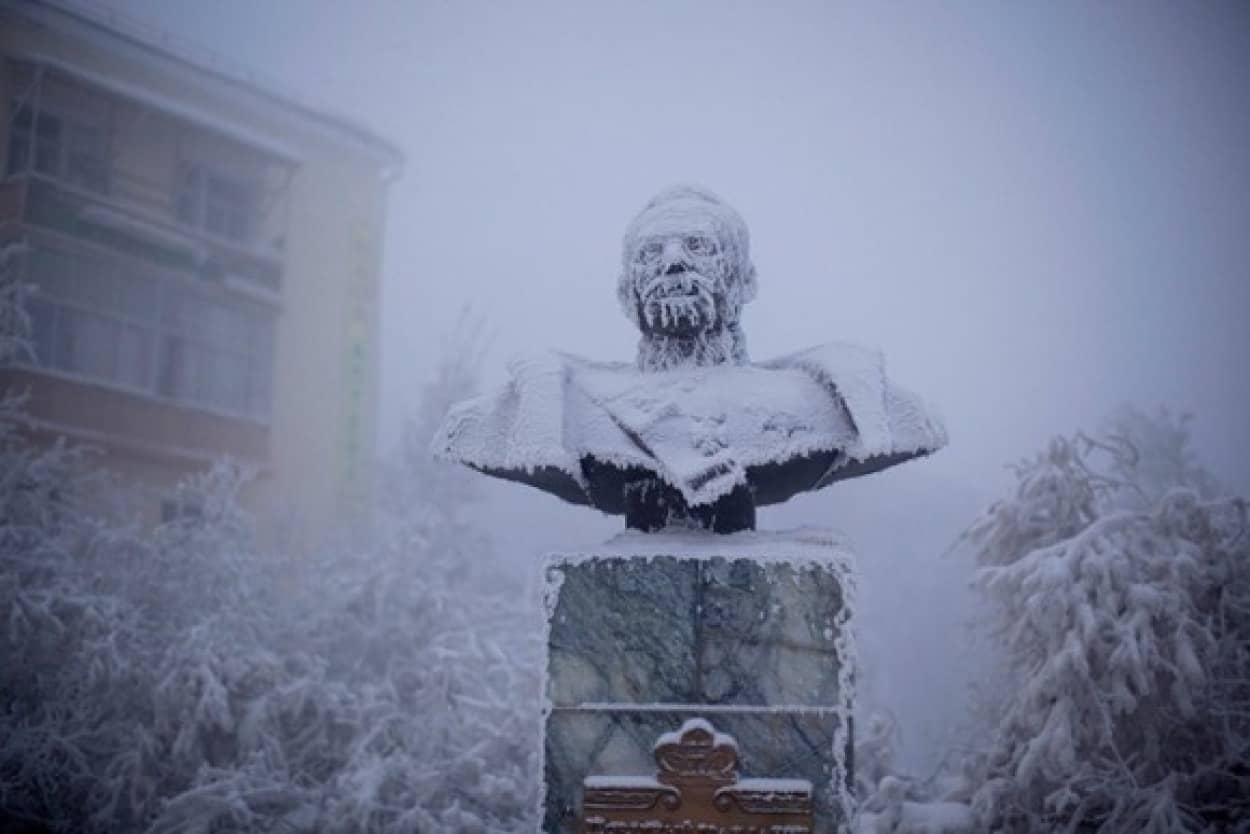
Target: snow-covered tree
(1120,582)
(181,679)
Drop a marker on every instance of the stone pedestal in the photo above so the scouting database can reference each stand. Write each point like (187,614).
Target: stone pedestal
(750,631)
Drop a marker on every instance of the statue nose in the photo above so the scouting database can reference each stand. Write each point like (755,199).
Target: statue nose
(674,257)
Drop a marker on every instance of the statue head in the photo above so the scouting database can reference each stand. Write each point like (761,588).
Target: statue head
(686,271)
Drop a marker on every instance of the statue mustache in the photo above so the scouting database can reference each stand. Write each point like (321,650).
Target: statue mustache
(689,280)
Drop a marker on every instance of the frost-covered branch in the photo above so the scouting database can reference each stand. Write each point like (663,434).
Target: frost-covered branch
(182,679)
(1117,572)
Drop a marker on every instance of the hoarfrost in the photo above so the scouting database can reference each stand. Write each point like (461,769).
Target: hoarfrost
(693,414)
(686,273)
(186,680)
(805,547)
(558,409)
(1119,578)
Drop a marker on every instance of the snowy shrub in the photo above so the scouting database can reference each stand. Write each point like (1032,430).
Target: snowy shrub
(893,803)
(182,680)
(1120,579)
(876,746)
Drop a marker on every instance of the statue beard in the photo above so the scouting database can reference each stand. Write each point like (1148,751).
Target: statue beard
(684,324)
(681,304)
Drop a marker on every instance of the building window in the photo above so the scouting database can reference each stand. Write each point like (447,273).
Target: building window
(214,201)
(181,509)
(150,334)
(58,146)
(213,353)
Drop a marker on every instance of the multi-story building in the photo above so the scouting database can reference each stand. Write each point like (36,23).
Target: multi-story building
(203,260)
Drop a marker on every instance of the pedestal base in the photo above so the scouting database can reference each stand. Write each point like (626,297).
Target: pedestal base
(750,631)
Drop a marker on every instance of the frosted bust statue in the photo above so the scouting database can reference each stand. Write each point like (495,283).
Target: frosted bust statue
(693,433)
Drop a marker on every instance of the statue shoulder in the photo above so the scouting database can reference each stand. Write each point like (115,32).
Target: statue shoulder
(517,425)
(538,365)
(840,359)
(889,419)
(543,417)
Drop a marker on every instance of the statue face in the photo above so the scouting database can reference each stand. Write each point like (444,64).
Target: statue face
(685,273)
(679,277)
(678,270)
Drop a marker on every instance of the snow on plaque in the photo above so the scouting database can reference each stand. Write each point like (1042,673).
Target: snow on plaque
(696,790)
(693,433)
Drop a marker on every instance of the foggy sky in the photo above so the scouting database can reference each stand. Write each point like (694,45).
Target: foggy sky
(1038,211)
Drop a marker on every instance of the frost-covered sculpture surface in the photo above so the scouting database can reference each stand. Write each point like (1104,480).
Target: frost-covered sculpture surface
(694,432)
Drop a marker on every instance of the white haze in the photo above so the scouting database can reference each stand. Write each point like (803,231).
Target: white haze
(1037,211)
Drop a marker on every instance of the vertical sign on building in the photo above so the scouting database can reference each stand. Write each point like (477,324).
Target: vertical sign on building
(358,336)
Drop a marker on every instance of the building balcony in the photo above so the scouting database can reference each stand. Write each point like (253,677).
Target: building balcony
(90,158)
(128,425)
(144,359)
(118,219)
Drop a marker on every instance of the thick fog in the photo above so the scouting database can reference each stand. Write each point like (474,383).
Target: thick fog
(1037,212)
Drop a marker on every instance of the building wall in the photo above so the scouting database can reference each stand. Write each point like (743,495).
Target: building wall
(6,95)
(326,386)
(322,428)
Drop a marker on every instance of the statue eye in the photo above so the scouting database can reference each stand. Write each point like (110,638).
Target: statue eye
(650,251)
(700,245)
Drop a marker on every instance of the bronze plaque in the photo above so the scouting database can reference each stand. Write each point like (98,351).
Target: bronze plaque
(696,790)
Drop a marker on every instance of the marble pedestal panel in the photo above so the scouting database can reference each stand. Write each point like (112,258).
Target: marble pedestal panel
(750,631)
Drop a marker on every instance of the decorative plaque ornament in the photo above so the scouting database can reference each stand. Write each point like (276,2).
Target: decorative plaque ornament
(696,790)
